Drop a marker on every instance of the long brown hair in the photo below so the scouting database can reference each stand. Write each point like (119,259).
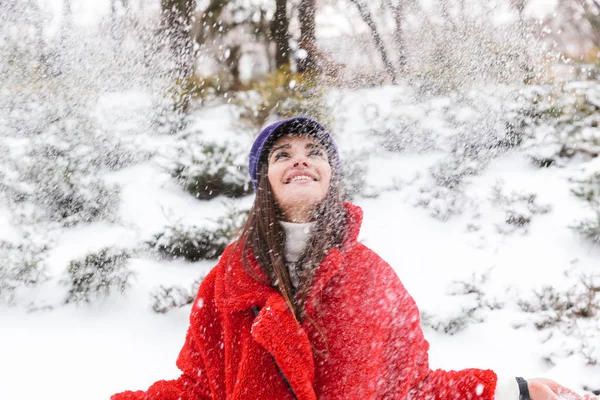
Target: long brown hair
(264,235)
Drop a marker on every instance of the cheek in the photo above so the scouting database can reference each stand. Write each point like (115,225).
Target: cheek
(325,176)
(275,174)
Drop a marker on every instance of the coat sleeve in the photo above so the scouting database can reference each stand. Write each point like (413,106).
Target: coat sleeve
(201,349)
(444,385)
(407,357)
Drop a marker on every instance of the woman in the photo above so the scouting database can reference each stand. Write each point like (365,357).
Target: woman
(298,309)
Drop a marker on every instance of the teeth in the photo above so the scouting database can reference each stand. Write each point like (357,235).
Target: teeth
(301,178)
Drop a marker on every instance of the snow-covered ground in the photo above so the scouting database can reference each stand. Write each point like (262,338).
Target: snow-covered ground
(92,351)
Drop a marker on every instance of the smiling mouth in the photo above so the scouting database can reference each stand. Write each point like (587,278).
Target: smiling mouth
(301,178)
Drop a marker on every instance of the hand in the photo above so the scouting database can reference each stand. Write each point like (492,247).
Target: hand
(546,389)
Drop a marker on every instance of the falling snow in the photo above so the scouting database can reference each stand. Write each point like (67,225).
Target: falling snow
(473,152)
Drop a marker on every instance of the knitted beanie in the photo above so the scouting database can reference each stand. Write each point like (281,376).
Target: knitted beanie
(297,125)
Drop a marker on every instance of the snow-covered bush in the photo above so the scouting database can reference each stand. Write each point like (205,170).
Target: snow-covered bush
(166,298)
(70,123)
(208,169)
(451,324)
(553,307)
(195,243)
(231,222)
(480,123)
(442,190)
(474,301)
(189,242)
(567,123)
(166,119)
(405,127)
(442,202)
(48,93)
(590,228)
(58,146)
(518,209)
(353,174)
(588,189)
(57,179)
(112,153)
(471,129)
(97,275)
(573,312)
(21,264)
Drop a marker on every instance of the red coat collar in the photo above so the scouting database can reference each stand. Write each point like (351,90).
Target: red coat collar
(275,327)
(237,290)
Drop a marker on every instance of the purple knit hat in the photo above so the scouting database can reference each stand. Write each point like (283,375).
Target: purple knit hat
(296,125)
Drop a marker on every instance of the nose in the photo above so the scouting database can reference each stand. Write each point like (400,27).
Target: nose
(301,160)
(304,163)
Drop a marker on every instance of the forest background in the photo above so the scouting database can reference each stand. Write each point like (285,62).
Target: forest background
(469,133)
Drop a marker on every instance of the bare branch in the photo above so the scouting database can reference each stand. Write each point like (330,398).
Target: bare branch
(366,16)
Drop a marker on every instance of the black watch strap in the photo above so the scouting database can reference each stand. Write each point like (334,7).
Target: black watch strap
(523,389)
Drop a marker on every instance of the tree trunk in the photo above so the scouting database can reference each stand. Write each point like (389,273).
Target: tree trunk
(233,63)
(398,12)
(208,20)
(307,11)
(176,18)
(366,16)
(279,32)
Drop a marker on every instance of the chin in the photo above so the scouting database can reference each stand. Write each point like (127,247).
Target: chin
(304,200)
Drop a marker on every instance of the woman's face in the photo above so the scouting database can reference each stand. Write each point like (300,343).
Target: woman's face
(299,174)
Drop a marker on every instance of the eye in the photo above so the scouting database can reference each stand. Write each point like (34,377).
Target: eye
(281,154)
(316,153)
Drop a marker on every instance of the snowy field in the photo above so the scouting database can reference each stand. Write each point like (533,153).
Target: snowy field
(92,351)
(453,195)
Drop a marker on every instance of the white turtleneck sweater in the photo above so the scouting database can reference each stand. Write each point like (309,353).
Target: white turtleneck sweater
(296,239)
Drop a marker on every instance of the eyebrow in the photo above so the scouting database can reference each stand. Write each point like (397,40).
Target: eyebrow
(288,146)
(283,146)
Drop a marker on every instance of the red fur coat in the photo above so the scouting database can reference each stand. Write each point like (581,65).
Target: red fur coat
(366,339)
